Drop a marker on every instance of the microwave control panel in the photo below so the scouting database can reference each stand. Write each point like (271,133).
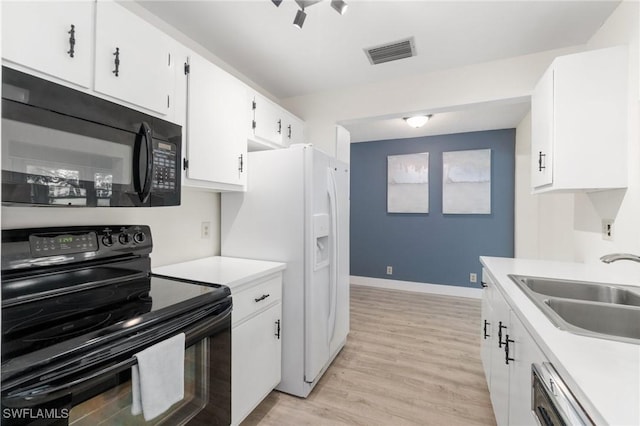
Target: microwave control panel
(165,166)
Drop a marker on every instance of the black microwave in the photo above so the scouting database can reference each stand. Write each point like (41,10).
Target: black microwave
(63,147)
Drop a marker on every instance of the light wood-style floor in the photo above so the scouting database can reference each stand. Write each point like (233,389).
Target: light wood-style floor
(410,359)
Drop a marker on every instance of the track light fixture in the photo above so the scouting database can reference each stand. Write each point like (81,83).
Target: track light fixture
(299,19)
(339,6)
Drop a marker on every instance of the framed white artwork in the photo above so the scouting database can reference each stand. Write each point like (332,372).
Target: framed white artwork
(466,182)
(408,183)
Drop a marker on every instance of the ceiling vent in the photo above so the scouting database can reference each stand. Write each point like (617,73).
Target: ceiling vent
(391,51)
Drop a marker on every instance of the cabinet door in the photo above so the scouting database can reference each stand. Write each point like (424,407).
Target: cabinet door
(542,133)
(293,131)
(133,59)
(216,124)
(255,361)
(499,385)
(39,35)
(523,352)
(268,121)
(487,336)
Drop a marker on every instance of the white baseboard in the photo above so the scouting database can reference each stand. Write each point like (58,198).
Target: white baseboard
(443,290)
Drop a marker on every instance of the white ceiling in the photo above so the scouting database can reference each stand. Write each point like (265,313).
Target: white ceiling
(471,119)
(258,39)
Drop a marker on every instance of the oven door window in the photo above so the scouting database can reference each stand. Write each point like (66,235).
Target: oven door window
(64,160)
(113,406)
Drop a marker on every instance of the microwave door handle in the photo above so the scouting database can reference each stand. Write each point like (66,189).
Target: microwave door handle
(143,181)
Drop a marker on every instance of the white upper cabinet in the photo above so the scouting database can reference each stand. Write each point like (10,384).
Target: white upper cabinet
(579,123)
(267,123)
(55,38)
(216,136)
(133,60)
(292,129)
(542,131)
(270,125)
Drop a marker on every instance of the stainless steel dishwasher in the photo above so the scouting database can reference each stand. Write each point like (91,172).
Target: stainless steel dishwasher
(552,402)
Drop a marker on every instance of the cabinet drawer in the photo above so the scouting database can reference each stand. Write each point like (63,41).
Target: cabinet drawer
(251,300)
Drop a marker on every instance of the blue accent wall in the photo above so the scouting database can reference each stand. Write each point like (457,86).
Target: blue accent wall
(431,248)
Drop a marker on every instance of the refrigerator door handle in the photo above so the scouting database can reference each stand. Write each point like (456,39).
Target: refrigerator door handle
(333,266)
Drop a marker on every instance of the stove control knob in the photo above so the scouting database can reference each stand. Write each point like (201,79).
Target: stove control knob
(107,240)
(139,237)
(124,238)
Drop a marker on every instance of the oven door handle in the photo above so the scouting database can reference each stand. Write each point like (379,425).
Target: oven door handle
(142,182)
(42,393)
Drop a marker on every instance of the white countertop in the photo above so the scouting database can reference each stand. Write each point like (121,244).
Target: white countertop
(230,271)
(603,374)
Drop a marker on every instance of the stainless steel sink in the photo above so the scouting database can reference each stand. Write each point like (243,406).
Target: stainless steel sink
(582,291)
(593,309)
(600,318)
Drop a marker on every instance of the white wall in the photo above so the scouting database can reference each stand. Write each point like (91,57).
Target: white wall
(501,80)
(175,230)
(623,206)
(548,226)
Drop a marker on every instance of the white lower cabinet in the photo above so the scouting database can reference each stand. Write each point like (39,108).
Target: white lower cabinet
(507,352)
(255,345)
(523,352)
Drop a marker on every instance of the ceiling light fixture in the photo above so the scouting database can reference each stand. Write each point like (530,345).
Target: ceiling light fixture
(340,6)
(417,120)
(299,19)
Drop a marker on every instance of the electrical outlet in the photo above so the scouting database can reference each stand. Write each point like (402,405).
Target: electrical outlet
(473,277)
(607,229)
(389,270)
(205,230)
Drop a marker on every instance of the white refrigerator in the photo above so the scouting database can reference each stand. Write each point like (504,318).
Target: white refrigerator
(296,210)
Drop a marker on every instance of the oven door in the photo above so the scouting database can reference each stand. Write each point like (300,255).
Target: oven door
(94,387)
(66,148)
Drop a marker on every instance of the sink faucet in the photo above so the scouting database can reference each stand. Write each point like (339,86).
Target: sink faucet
(613,257)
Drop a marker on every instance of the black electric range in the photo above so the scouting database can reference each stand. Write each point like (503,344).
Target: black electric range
(79,302)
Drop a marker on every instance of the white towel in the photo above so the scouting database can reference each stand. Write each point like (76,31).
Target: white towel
(157,382)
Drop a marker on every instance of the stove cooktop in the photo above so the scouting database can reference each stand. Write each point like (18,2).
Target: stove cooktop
(95,312)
